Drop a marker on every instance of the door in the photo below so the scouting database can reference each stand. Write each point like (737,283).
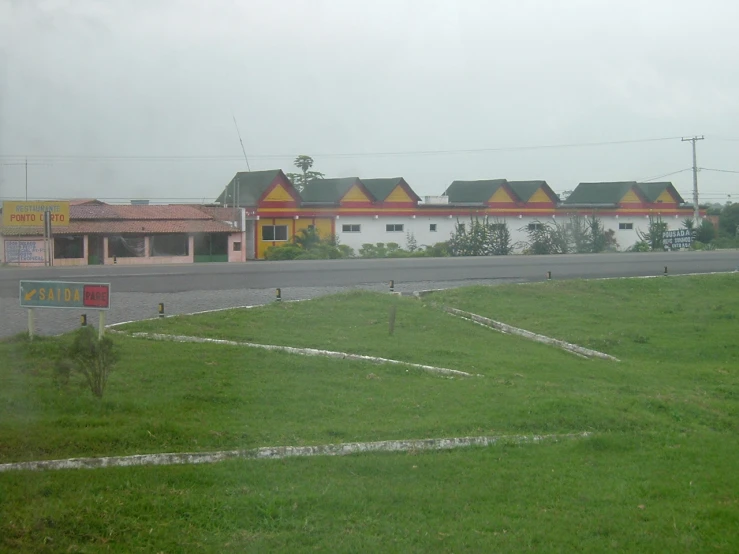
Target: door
(95,250)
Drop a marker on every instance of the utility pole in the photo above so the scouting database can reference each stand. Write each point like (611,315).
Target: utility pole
(696,209)
(26,178)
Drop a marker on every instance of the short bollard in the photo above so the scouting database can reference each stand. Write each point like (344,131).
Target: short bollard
(83,320)
(115,259)
(549,275)
(392,286)
(161,309)
(278,295)
(665,270)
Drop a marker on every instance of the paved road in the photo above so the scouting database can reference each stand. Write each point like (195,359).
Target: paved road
(138,290)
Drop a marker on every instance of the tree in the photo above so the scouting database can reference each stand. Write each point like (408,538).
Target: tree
(300,180)
(706,232)
(597,235)
(411,244)
(580,234)
(729,220)
(91,356)
(480,238)
(499,238)
(547,238)
(654,235)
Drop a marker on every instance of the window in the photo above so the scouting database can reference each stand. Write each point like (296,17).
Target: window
(625,226)
(126,246)
(176,244)
(535,226)
(394,227)
(69,247)
(498,226)
(237,247)
(274,233)
(432,227)
(351,228)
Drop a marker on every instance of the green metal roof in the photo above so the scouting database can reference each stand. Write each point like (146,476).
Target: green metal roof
(653,190)
(473,192)
(328,191)
(599,193)
(251,187)
(526,189)
(381,188)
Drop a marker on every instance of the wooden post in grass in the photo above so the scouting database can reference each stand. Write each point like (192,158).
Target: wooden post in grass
(31,324)
(391,318)
(101,325)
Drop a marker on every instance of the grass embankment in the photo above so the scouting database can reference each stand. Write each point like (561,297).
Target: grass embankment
(182,397)
(657,475)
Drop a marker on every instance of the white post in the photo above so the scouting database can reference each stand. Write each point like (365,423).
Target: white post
(101,329)
(31,325)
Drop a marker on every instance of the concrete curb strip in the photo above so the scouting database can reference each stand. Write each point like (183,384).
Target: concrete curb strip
(300,351)
(505,328)
(280,452)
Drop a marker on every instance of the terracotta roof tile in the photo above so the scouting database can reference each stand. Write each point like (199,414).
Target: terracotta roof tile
(168,211)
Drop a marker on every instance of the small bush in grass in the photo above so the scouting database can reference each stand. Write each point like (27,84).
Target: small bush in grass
(89,355)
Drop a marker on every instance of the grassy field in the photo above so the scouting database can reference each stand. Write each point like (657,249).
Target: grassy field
(657,474)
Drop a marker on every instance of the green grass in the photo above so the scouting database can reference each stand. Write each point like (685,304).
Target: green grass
(672,320)
(357,322)
(672,493)
(656,476)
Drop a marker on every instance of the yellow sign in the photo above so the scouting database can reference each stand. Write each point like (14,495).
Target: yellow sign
(31,214)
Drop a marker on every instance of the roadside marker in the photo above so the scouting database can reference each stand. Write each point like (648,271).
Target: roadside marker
(549,275)
(161,309)
(83,320)
(278,295)
(392,286)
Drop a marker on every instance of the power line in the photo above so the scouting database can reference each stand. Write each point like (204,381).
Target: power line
(662,176)
(86,157)
(718,170)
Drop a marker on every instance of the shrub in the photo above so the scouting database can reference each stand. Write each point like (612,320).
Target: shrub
(286,252)
(91,356)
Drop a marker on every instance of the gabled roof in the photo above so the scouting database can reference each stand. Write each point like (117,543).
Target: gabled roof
(526,189)
(381,188)
(473,192)
(330,191)
(652,191)
(600,193)
(251,187)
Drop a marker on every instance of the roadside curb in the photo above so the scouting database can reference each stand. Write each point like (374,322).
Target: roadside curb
(281,452)
(300,351)
(543,339)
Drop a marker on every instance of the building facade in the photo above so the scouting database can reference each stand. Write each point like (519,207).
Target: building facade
(369,211)
(100,233)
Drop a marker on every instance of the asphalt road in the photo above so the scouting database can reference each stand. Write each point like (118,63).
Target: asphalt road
(185,288)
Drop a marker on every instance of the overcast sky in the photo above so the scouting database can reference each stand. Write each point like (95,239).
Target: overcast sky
(82,81)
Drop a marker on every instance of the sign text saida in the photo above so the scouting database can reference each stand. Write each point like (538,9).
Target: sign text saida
(63,294)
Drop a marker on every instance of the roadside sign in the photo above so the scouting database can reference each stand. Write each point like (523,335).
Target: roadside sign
(64,294)
(679,238)
(31,214)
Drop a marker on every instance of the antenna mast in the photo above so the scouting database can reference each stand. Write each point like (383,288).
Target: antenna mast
(242,143)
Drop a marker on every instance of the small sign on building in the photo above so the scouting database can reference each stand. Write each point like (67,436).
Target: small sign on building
(25,251)
(679,238)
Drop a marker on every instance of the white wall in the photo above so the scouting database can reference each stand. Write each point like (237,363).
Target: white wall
(373,230)
(628,237)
